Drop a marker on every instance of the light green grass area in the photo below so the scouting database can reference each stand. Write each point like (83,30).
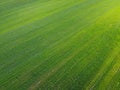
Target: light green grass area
(59,45)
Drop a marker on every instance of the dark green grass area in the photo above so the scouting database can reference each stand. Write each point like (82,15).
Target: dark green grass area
(59,45)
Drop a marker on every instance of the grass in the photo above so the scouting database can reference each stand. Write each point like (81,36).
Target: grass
(59,45)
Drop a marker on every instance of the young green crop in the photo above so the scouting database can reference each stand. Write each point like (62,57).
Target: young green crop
(59,45)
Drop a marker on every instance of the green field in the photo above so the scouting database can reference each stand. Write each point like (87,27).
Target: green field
(59,44)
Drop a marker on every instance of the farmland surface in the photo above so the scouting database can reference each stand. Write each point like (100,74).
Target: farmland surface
(59,44)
